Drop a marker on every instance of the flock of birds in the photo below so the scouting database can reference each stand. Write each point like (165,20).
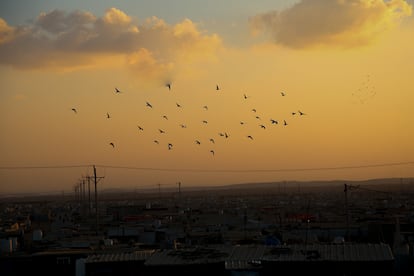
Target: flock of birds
(365,92)
(211,140)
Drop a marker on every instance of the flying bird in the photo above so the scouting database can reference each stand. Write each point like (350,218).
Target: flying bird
(250,137)
(140,128)
(257,117)
(245,96)
(161,131)
(183,126)
(204,122)
(165,117)
(178,105)
(74,110)
(156,142)
(197,142)
(205,107)
(170,146)
(282,93)
(168,85)
(285,123)
(263,126)
(273,121)
(107,115)
(117,91)
(293,113)
(301,113)
(112,144)
(226,135)
(149,105)
(212,152)
(242,123)
(212,140)
(217,87)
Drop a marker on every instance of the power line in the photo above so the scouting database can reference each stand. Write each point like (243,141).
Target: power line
(260,170)
(44,167)
(213,170)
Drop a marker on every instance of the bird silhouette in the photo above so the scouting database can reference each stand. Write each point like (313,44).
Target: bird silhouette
(254,110)
(140,128)
(212,140)
(149,105)
(161,131)
(168,85)
(178,105)
(117,91)
(273,121)
(285,123)
(301,113)
(217,87)
(245,96)
(183,126)
(242,123)
(221,133)
(226,135)
(112,144)
(197,142)
(170,146)
(212,152)
(282,93)
(108,116)
(205,107)
(263,126)
(293,113)
(156,142)
(165,117)
(74,110)
(204,122)
(250,137)
(258,117)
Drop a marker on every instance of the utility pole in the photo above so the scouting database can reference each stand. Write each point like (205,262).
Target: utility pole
(96,179)
(346,211)
(88,178)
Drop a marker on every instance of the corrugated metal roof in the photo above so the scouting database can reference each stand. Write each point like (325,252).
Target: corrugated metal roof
(119,256)
(329,252)
(245,257)
(189,256)
(251,256)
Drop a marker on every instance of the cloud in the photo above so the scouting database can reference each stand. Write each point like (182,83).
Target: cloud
(68,40)
(343,23)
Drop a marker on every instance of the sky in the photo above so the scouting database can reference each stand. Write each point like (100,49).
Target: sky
(259,91)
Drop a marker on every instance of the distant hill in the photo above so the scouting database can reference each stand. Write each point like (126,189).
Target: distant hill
(385,183)
(382,184)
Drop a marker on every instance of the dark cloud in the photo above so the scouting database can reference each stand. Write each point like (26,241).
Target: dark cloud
(340,23)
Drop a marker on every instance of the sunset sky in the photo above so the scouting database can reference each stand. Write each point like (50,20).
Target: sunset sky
(347,65)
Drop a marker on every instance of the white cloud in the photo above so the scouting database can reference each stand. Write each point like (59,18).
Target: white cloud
(66,40)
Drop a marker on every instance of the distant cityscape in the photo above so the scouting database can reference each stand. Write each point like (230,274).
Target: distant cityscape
(326,228)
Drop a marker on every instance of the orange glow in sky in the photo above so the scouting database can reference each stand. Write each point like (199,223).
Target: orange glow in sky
(345,71)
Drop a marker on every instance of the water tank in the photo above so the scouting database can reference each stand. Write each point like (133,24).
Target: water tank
(108,242)
(339,240)
(37,235)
